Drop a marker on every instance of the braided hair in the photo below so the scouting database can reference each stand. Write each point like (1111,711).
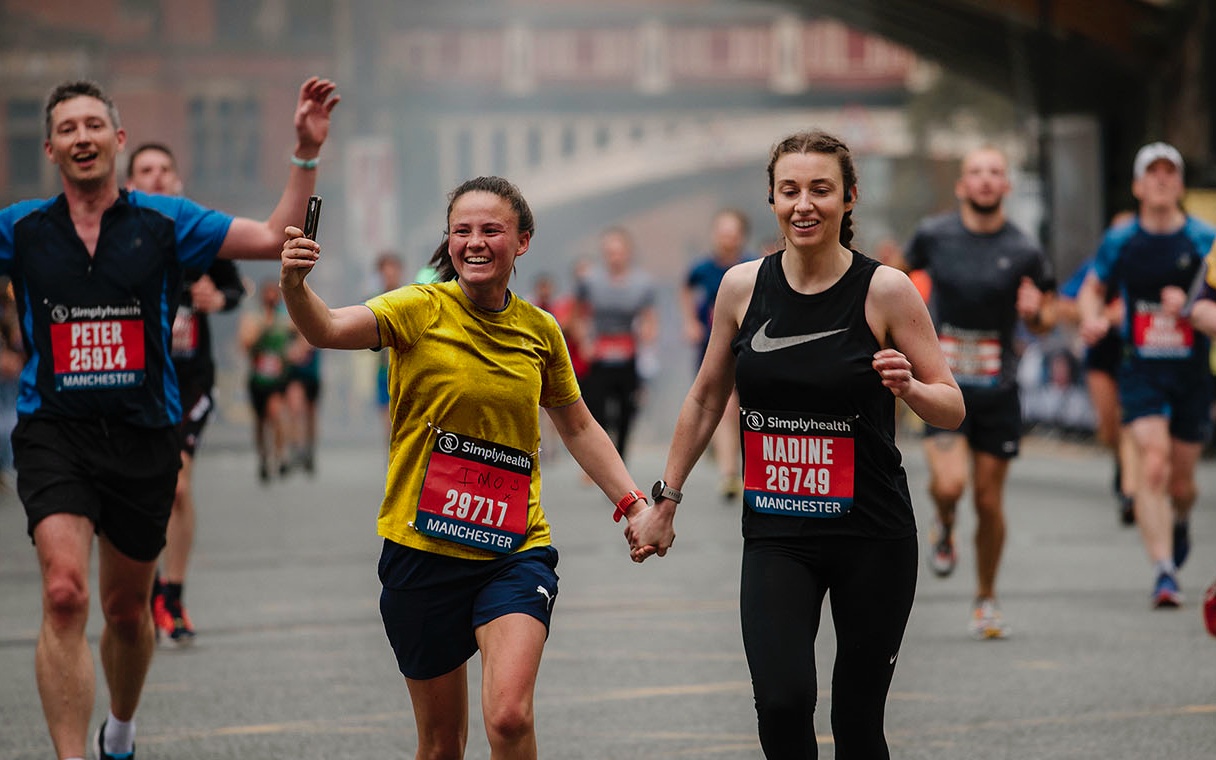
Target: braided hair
(817,141)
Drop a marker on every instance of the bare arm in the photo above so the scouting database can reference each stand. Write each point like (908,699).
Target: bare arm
(250,239)
(1203,316)
(593,450)
(349,327)
(701,411)
(1036,307)
(1090,300)
(911,362)
(694,331)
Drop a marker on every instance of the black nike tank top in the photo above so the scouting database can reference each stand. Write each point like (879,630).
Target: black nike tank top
(804,364)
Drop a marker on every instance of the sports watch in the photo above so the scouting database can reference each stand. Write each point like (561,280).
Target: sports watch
(660,490)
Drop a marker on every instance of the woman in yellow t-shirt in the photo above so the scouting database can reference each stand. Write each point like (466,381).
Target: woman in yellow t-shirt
(467,563)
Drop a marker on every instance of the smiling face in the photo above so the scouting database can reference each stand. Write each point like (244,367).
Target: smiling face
(808,200)
(84,143)
(484,240)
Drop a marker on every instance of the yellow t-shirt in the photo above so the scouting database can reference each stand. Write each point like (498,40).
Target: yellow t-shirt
(469,371)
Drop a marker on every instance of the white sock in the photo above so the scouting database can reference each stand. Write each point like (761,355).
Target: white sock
(120,736)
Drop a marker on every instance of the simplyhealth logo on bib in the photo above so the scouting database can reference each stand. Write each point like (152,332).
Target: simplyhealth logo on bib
(97,347)
(797,464)
(475,493)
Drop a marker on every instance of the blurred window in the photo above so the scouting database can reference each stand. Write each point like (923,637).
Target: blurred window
(224,136)
(24,132)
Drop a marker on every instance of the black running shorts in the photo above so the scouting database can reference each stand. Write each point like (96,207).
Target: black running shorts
(993,423)
(120,476)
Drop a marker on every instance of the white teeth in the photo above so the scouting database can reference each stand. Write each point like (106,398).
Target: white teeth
(477,260)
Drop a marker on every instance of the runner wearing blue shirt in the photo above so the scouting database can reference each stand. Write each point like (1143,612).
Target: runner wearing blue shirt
(730,231)
(1165,384)
(97,275)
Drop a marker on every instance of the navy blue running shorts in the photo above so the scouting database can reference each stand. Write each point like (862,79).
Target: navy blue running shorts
(1183,394)
(120,476)
(431,605)
(993,423)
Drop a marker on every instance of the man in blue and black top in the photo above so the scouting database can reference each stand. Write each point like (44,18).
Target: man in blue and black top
(97,274)
(1165,384)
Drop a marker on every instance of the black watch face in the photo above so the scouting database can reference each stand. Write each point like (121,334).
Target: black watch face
(656,491)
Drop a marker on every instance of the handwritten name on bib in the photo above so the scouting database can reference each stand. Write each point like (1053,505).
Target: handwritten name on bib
(475,493)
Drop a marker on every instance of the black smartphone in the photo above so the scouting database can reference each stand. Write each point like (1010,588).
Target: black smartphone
(312,217)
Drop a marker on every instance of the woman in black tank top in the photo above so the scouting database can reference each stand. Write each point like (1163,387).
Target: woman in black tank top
(819,340)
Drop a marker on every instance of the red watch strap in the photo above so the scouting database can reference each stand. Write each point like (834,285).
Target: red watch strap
(625,503)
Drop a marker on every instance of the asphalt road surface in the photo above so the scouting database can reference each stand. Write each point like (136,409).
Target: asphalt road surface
(646,661)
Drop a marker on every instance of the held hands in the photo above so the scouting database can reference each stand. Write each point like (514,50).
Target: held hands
(650,531)
(895,371)
(298,258)
(312,115)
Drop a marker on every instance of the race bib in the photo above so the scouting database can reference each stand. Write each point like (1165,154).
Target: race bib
(974,356)
(475,493)
(1158,336)
(185,333)
(97,347)
(615,348)
(797,465)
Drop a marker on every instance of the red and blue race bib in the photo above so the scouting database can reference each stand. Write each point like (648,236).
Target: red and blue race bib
(475,493)
(797,464)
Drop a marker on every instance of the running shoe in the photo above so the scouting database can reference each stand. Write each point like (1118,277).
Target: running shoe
(161,619)
(942,558)
(1209,609)
(1182,543)
(99,747)
(1166,594)
(1127,509)
(181,630)
(986,621)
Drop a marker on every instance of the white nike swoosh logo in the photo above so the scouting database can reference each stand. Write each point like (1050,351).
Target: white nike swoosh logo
(762,343)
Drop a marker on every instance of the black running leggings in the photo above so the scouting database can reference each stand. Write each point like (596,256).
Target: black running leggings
(871,584)
(611,390)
